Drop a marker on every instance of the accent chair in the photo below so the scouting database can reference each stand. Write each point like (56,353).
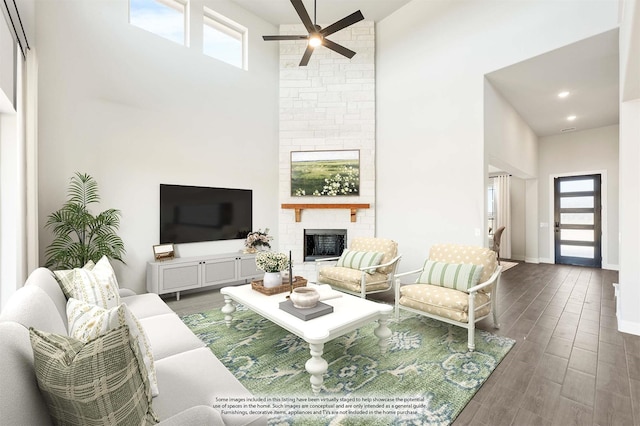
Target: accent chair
(457,285)
(367,266)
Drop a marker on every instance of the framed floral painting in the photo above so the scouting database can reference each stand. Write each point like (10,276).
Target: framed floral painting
(325,173)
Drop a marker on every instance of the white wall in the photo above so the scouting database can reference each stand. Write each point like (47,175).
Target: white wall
(519,209)
(629,286)
(431,62)
(578,153)
(509,142)
(135,110)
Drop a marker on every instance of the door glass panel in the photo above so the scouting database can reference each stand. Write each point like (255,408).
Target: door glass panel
(576,202)
(576,218)
(576,235)
(577,251)
(576,185)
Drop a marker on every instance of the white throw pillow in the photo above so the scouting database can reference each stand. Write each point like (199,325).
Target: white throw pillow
(88,322)
(93,283)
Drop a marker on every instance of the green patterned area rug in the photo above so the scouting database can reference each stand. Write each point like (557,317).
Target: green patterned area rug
(426,377)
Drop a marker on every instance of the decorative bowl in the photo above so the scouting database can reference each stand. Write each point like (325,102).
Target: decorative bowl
(304,297)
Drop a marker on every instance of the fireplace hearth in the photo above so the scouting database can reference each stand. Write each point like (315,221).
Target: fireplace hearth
(323,243)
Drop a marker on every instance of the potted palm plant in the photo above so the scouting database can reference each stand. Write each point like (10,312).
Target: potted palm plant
(79,236)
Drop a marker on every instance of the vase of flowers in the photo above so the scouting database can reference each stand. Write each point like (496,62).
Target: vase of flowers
(272,264)
(257,240)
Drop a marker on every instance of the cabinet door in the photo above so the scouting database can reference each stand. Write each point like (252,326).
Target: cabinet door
(248,268)
(218,271)
(179,277)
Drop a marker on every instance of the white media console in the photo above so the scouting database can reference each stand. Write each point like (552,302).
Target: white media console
(187,273)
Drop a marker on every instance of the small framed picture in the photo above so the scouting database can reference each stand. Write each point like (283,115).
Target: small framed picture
(163,252)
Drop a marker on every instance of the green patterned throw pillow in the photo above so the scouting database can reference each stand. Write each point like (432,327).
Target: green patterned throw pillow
(101,382)
(93,283)
(451,275)
(360,259)
(87,322)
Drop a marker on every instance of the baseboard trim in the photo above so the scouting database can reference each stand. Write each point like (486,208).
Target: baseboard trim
(611,267)
(546,260)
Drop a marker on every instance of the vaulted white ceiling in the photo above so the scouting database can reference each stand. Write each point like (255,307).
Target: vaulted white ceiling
(328,11)
(588,69)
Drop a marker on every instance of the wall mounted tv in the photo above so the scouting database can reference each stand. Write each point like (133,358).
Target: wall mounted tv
(190,214)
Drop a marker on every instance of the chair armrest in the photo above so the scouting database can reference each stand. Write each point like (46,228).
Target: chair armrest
(384,265)
(488,282)
(404,274)
(327,259)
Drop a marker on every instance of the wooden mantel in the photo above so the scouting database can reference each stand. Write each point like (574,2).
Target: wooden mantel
(299,207)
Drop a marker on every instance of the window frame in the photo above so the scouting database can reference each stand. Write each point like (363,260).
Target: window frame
(219,22)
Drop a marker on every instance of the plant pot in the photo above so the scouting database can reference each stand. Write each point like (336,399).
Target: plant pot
(272,279)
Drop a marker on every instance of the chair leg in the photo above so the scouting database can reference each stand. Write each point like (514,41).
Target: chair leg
(471,339)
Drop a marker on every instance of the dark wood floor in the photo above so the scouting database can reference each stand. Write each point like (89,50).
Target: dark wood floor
(570,365)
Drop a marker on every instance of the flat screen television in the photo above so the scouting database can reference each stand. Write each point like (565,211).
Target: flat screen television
(190,214)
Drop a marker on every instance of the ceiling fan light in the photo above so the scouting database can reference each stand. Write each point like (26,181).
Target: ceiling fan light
(315,41)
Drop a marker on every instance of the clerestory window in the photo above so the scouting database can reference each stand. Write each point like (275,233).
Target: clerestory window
(166,18)
(224,39)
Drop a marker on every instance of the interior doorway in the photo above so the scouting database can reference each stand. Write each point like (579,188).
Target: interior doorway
(578,220)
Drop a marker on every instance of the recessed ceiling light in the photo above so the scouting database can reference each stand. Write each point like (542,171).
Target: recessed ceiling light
(571,117)
(563,94)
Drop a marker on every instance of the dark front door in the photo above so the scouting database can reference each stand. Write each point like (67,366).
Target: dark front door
(578,225)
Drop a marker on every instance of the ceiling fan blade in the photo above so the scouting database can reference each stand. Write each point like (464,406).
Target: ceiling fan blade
(306,56)
(343,23)
(285,37)
(338,48)
(304,16)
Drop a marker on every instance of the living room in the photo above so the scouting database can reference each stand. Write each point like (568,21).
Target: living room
(135,111)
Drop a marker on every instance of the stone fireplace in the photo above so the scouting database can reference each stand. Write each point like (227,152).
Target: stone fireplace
(323,243)
(328,105)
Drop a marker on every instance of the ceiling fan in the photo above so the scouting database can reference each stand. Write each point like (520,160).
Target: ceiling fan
(318,36)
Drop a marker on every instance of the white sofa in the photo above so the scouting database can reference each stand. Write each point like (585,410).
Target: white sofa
(189,376)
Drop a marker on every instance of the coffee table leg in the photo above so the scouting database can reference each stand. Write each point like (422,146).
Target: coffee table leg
(316,366)
(228,309)
(383,333)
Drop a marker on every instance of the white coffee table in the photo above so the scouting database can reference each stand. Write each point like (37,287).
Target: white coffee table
(349,314)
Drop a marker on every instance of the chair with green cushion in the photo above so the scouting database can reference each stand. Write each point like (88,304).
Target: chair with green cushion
(457,284)
(367,266)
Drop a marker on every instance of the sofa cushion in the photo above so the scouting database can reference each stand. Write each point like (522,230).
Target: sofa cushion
(442,301)
(169,336)
(146,305)
(88,322)
(457,276)
(187,379)
(21,402)
(349,279)
(99,382)
(32,307)
(359,259)
(382,245)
